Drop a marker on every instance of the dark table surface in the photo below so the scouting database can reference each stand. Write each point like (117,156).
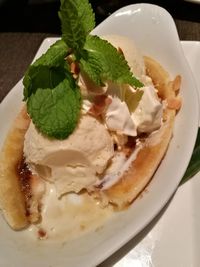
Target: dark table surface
(17,50)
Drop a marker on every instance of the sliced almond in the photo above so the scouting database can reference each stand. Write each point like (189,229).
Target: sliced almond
(174,103)
(176,84)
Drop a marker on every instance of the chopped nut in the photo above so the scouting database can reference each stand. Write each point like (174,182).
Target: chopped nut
(101,102)
(75,69)
(174,103)
(176,84)
(42,234)
(69,58)
(120,51)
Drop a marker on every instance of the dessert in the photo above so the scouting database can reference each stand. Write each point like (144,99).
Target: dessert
(117,132)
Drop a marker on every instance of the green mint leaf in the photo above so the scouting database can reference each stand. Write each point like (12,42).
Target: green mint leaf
(101,61)
(54,55)
(90,64)
(77,20)
(47,71)
(55,112)
(42,77)
(194,164)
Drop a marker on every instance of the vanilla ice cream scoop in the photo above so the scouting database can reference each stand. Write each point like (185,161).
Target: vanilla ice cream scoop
(74,163)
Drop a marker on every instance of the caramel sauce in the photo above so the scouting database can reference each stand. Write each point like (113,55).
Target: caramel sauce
(129,146)
(42,234)
(24,174)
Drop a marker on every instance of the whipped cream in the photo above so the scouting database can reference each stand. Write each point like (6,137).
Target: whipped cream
(147,116)
(117,118)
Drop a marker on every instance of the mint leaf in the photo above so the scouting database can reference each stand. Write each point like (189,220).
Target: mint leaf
(77,20)
(54,55)
(101,61)
(42,77)
(91,65)
(194,164)
(55,112)
(47,71)
(53,98)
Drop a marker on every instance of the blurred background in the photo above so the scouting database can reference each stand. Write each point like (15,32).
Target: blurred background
(41,15)
(24,24)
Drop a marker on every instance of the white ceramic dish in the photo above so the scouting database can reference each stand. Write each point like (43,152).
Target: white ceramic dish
(176,230)
(154,32)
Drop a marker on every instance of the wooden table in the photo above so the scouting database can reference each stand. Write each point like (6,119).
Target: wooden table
(18,49)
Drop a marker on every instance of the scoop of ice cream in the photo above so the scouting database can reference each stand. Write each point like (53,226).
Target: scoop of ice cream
(74,163)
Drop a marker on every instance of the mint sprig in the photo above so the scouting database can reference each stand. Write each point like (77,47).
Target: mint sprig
(55,112)
(77,20)
(52,94)
(101,61)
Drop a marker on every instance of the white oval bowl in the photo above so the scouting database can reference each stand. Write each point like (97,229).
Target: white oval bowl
(154,32)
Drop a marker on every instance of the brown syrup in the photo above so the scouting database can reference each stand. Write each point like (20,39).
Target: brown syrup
(25,175)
